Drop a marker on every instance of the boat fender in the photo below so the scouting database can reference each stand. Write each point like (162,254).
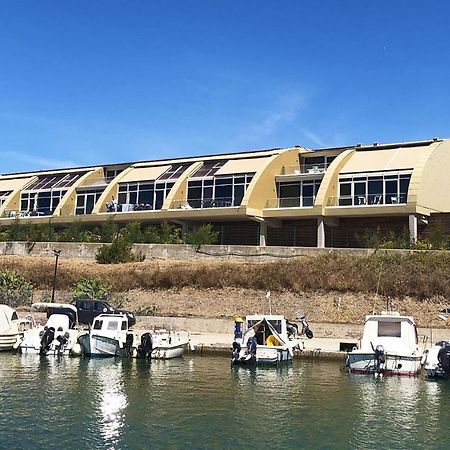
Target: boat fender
(76,350)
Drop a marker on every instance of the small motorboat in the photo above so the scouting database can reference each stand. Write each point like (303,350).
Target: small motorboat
(108,336)
(389,346)
(59,336)
(163,344)
(266,339)
(437,360)
(10,328)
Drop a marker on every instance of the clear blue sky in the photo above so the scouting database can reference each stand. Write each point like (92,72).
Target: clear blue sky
(86,82)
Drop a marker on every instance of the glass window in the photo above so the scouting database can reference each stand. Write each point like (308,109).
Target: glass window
(98,324)
(389,329)
(112,325)
(124,325)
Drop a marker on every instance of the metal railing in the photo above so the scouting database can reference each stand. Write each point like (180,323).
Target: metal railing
(291,202)
(368,200)
(304,169)
(198,203)
(16,214)
(112,207)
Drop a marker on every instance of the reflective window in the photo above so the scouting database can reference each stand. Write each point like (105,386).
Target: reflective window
(389,329)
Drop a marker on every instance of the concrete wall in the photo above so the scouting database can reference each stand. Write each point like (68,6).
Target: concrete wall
(177,252)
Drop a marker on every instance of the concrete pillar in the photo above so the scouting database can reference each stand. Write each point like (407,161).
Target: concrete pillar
(413,228)
(320,233)
(262,234)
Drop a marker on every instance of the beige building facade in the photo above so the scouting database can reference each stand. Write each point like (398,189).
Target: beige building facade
(331,197)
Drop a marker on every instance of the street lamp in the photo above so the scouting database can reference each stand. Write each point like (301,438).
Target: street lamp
(56,253)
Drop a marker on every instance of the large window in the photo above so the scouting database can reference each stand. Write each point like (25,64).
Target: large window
(293,194)
(86,200)
(4,196)
(218,192)
(41,203)
(388,188)
(316,164)
(145,195)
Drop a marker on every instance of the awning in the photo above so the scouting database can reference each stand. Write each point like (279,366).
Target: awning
(245,165)
(144,174)
(382,160)
(13,183)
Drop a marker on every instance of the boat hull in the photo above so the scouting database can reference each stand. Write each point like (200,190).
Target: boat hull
(265,355)
(8,341)
(395,365)
(99,346)
(168,352)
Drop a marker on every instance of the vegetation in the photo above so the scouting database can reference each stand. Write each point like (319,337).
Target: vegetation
(436,239)
(107,232)
(203,235)
(15,290)
(91,287)
(119,251)
(417,275)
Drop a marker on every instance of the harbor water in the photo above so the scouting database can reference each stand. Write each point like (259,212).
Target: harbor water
(201,402)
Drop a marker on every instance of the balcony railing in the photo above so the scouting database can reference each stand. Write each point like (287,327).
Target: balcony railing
(290,202)
(304,169)
(127,207)
(15,214)
(198,203)
(368,200)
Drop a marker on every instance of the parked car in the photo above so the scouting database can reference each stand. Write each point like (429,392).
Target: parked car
(88,309)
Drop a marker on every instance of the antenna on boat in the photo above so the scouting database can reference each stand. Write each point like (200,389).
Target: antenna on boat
(270,303)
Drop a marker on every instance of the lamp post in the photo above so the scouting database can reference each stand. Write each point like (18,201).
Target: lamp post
(56,253)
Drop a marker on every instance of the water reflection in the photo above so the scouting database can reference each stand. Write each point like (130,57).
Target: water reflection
(111,400)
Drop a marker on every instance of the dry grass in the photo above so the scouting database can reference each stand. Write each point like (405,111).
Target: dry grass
(337,289)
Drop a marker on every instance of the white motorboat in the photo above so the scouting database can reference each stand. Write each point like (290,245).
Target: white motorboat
(59,336)
(10,333)
(266,339)
(108,336)
(437,360)
(163,344)
(389,346)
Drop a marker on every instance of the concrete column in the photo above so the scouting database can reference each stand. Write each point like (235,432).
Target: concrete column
(413,228)
(320,233)
(262,234)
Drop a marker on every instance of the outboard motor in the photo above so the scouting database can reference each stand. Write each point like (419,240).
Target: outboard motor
(146,346)
(251,349)
(444,360)
(127,347)
(47,338)
(235,351)
(63,340)
(305,327)
(380,359)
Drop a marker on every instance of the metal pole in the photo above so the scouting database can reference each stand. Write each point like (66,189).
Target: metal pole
(56,253)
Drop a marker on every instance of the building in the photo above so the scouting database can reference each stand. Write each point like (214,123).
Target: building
(294,196)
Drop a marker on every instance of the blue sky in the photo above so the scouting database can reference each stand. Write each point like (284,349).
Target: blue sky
(87,82)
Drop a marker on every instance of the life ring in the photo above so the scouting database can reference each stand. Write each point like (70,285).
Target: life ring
(272,341)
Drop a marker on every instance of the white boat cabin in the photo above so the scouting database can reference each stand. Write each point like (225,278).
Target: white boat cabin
(269,330)
(110,325)
(397,334)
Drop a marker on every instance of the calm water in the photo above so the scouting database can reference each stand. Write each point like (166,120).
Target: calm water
(201,403)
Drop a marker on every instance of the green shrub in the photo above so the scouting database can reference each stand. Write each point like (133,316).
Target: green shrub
(91,287)
(119,251)
(15,290)
(203,235)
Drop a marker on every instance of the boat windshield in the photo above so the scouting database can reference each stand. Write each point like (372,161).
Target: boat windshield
(389,329)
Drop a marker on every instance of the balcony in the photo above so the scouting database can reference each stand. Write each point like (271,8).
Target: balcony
(15,214)
(305,169)
(368,200)
(291,202)
(197,203)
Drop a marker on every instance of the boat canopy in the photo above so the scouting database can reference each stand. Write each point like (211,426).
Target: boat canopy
(6,316)
(254,324)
